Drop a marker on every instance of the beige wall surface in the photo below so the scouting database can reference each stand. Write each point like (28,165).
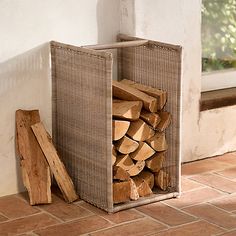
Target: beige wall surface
(25,80)
(204,134)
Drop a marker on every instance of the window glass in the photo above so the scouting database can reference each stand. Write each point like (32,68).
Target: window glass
(218,34)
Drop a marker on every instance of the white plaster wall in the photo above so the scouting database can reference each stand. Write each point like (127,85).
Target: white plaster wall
(25,76)
(204,134)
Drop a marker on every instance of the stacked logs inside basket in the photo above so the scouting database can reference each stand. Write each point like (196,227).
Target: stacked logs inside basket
(139,143)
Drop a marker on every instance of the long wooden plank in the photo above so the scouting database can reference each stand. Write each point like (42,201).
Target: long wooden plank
(157,93)
(34,167)
(128,93)
(57,167)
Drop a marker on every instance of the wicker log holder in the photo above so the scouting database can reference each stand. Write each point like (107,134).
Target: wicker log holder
(82,111)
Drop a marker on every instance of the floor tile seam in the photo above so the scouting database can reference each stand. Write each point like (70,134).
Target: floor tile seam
(221,191)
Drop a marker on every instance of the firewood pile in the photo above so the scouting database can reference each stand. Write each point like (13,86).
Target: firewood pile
(139,142)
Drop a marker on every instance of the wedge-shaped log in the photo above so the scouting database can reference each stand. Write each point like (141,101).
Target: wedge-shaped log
(129,110)
(114,154)
(143,152)
(121,191)
(119,128)
(126,145)
(157,93)
(125,162)
(165,121)
(57,167)
(158,142)
(162,180)
(140,131)
(133,191)
(155,163)
(120,174)
(150,118)
(137,168)
(128,93)
(142,186)
(34,166)
(148,177)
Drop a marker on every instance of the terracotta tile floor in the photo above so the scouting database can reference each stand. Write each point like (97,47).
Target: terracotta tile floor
(207,207)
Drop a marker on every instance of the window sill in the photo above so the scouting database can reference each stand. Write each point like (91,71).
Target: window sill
(217,98)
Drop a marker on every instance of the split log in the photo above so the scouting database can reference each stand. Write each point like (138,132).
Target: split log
(133,191)
(137,168)
(140,131)
(157,93)
(158,142)
(119,128)
(35,169)
(142,186)
(148,177)
(162,180)
(126,145)
(120,174)
(143,152)
(128,93)
(129,110)
(114,154)
(152,119)
(165,121)
(125,162)
(121,191)
(57,167)
(155,163)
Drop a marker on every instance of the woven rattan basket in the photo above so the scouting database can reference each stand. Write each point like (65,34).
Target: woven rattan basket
(82,112)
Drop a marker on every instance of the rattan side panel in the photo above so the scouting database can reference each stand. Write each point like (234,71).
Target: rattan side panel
(159,65)
(81,81)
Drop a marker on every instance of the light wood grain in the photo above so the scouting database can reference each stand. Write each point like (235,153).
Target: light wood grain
(126,145)
(140,131)
(119,129)
(124,161)
(57,167)
(120,174)
(121,191)
(128,93)
(165,121)
(157,93)
(129,110)
(34,167)
(155,163)
(150,118)
(143,152)
(158,142)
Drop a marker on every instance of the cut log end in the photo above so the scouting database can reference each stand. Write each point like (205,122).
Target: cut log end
(119,129)
(120,174)
(158,142)
(143,152)
(140,131)
(155,163)
(137,168)
(126,145)
(162,180)
(121,192)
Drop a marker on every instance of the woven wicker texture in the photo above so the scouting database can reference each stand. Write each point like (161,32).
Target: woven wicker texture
(81,82)
(158,65)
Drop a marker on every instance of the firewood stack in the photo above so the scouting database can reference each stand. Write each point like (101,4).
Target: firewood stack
(139,143)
